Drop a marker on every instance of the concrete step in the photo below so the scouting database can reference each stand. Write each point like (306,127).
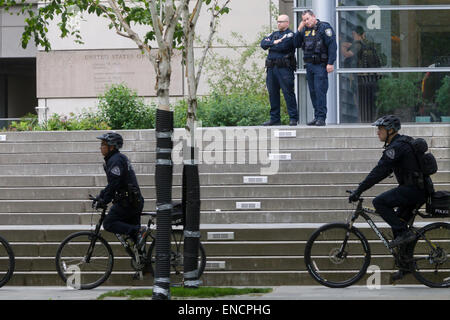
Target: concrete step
(215,217)
(212,204)
(206,179)
(246,260)
(253,169)
(256,232)
(208,157)
(260,144)
(357,130)
(209,278)
(214,263)
(206,191)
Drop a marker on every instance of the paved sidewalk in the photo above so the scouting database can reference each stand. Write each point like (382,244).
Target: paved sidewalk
(403,292)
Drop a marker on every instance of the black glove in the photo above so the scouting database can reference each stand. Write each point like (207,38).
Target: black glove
(354,196)
(98,203)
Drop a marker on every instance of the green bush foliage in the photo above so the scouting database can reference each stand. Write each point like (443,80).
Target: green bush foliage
(397,93)
(443,97)
(84,121)
(233,109)
(123,109)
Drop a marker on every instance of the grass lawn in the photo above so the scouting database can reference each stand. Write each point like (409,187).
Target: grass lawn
(180,292)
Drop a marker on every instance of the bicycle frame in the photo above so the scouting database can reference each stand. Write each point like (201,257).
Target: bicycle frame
(94,238)
(363,212)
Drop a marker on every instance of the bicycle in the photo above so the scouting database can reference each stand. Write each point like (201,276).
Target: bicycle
(337,255)
(7,261)
(85,260)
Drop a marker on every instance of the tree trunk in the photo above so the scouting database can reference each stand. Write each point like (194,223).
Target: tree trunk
(163,178)
(191,179)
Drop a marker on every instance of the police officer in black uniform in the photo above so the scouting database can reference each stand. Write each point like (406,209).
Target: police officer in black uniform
(281,64)
(318,41)
(399,158)
(122,189)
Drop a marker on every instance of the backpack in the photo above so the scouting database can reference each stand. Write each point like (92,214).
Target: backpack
(368,56)
(426,161)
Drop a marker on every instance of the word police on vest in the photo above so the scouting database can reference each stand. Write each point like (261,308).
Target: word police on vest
(226,309)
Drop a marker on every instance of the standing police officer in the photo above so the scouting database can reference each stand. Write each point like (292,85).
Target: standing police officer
(122,189)
(318,41)
(281,65)
(399,158)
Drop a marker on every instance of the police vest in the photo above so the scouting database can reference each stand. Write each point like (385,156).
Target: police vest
(314,49)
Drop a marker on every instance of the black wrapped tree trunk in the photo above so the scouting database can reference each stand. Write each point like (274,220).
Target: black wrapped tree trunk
(191,205)
(163,182)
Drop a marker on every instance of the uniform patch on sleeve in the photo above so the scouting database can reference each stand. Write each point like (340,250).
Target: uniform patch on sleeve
(290,34)
(115,171)
(390,153)
(329,32)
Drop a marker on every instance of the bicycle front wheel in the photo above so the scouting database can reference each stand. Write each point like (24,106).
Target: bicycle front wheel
(336,256)
(82,263)
(431,255)
(7,262)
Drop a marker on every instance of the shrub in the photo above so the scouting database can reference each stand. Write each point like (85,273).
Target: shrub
(123,109)
(28,122)
(84,121)
(395,94)
(234,109)
(180,114)
(443,97)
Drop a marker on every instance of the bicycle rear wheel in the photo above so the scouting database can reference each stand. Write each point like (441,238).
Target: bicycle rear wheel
(7,262)
(431,255)
(336,256)
(78,270)
(176,255)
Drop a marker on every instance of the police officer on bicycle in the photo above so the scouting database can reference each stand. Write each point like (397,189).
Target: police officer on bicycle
(122,189)
(398,157)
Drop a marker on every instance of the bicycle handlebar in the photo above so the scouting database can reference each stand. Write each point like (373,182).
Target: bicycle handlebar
(350,192)
(91,197)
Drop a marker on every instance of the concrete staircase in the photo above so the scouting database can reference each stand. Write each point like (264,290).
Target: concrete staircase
(254,225)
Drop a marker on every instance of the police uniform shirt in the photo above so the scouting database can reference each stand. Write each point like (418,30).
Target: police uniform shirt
(326,33)
(119,172)
(280,50)
(398,158)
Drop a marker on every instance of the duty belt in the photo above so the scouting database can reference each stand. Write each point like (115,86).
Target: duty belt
(281,63)
(312,60)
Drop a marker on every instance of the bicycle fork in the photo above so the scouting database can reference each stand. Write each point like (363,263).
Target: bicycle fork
(341,254)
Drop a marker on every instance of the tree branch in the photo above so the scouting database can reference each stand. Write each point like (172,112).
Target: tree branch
(157,26)
(175,16)
(129,32)
(212,31)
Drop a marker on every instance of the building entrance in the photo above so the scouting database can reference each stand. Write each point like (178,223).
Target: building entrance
(17,88)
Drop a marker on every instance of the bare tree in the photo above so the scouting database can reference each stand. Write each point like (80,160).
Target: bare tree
(191,179)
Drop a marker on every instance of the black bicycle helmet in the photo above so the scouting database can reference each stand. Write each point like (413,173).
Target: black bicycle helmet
(389,122)
(112,139)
